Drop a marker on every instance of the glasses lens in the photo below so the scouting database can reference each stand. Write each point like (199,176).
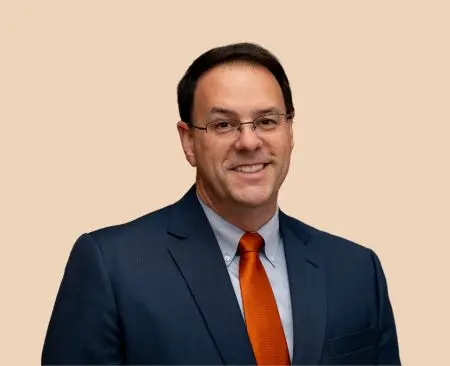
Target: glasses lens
(223,126)
(268,122)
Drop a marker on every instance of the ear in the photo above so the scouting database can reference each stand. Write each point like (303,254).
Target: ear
(187,142)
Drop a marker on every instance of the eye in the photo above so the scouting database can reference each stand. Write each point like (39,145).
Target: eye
(222,126)
(267,122)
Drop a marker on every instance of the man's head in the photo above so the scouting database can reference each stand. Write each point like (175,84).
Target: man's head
(243,166)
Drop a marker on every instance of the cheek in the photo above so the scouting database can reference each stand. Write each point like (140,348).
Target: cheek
(210,157)
(282,152)
(288,143)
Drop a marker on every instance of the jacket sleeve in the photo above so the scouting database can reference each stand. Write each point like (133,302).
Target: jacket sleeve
(388,349)
(83,327)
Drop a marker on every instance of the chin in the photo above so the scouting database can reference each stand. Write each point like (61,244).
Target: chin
(252,197)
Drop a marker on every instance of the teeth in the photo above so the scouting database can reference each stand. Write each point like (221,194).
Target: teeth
(250,168)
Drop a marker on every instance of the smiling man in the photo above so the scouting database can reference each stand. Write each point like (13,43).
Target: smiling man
(224,276)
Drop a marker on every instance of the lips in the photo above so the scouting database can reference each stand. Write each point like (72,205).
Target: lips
(250,168)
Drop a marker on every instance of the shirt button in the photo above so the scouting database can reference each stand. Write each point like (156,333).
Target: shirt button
(227,258)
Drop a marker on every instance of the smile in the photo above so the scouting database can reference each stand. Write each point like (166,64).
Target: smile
(250,168)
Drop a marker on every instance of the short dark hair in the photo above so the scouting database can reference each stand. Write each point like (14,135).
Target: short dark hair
(248,52)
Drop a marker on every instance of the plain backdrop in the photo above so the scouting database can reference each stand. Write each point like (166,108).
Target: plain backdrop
(88,137)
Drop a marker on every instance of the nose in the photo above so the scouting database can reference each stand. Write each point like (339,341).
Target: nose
(248,139)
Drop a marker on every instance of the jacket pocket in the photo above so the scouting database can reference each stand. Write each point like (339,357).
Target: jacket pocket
(351,342)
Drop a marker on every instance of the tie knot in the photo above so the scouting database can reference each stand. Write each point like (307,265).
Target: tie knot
(250,242)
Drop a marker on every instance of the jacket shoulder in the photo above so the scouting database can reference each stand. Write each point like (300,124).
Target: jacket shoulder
(326,241)
(137,231)
(345,260)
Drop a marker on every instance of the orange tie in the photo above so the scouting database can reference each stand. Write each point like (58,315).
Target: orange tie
(260,309)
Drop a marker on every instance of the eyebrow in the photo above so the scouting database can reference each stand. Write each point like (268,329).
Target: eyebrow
(220,110)
(271,110)
(260,112)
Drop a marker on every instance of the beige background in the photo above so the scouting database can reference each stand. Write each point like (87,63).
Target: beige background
(88,137)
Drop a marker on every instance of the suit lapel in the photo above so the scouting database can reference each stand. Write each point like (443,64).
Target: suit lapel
(195,250)
(308,292)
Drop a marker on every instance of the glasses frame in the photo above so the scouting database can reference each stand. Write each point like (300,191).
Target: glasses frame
(287,116)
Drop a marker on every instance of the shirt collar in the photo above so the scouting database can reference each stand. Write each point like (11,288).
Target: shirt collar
(228,235)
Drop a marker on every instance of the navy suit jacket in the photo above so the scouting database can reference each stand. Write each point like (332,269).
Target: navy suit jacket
(156,291)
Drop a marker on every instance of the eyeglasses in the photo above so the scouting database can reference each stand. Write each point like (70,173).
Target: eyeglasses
(228,126)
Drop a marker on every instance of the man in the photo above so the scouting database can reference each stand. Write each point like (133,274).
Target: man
(224,276)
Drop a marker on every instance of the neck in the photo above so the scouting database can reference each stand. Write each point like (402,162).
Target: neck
(247,218)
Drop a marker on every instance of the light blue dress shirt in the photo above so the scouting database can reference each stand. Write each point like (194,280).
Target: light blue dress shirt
(272,257)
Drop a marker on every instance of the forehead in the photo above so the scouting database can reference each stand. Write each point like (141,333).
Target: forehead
(240,87)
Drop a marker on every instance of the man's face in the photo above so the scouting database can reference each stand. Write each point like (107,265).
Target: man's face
(246,168)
